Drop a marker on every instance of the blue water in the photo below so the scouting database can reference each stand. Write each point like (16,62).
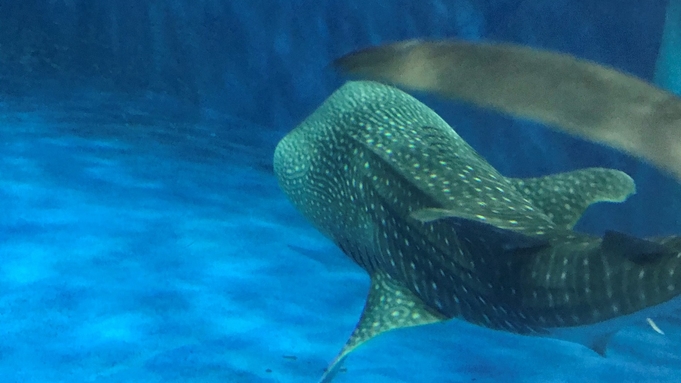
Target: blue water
(143,237)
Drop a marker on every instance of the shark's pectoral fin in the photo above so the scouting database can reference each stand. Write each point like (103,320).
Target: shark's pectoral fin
(564,197)
(389,306)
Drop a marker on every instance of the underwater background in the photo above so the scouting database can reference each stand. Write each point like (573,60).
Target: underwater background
(143,237)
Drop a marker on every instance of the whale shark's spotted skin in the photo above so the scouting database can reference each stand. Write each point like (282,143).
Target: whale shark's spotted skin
(444,235)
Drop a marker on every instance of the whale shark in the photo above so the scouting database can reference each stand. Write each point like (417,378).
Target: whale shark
(572,95)
(443,235)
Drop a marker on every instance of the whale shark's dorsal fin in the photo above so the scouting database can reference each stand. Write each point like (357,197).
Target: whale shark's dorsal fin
(564,197)
(599,344)
(389,306)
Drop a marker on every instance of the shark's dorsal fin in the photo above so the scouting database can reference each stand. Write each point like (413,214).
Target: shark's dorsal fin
(389,306)
(635,249)
(564,196)
(599,344)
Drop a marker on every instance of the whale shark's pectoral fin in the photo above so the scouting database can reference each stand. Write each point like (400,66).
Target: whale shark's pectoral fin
(564,197)
(389,306)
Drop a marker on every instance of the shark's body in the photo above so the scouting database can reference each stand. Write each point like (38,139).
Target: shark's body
(576,96)
(444,235)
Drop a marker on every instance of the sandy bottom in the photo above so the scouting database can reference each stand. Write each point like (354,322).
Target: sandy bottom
(135,248)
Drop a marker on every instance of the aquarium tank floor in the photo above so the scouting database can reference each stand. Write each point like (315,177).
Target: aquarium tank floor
(137,247)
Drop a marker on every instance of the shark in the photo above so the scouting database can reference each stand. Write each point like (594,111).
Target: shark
(570,94)
(443,235)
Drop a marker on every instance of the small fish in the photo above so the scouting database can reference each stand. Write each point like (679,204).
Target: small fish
(444,235)
(576,96)
(653,325)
